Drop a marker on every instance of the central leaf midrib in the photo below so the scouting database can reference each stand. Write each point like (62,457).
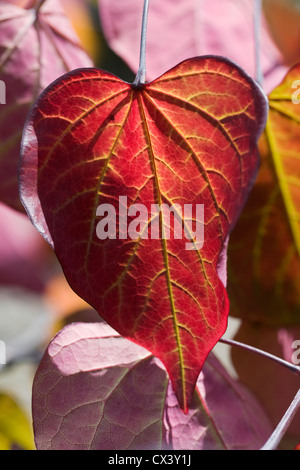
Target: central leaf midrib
(164,242)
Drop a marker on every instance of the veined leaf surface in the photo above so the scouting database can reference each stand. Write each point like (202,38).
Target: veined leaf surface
(189,137)
(95,390)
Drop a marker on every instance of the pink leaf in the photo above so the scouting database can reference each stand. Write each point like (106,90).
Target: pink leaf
(223,415)
(35,49)
(189,29)
(97,390)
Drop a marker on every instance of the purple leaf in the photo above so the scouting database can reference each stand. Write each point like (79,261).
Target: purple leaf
(97,390)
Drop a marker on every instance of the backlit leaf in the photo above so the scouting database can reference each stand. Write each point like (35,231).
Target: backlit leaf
(95,390)
(264,280)
(35,49)
(189,137)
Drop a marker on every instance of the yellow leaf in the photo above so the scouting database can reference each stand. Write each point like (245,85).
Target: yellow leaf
(264,249)
(15,429)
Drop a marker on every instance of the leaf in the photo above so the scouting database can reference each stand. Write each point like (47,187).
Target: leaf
(189,137)
(15,430)
(96,390)
(35,49)
(264,249)
(273,385)
(191,29)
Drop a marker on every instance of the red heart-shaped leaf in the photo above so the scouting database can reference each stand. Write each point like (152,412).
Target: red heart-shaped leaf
(189,137)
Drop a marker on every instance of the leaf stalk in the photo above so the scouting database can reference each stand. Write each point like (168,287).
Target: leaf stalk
(141,74)
(257,40)
(292,367)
